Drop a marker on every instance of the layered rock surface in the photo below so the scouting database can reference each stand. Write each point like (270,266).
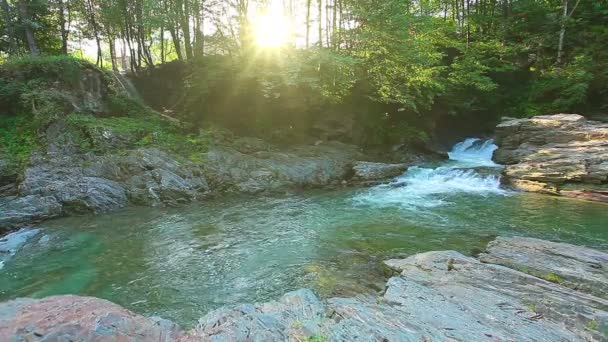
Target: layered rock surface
(62,180)
(562,154)
(437,296)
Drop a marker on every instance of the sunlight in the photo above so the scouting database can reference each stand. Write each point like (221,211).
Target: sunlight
(271,30)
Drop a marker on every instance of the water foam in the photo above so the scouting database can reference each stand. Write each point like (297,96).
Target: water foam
(422,187)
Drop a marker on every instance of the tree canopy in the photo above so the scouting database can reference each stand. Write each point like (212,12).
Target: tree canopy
(391,61)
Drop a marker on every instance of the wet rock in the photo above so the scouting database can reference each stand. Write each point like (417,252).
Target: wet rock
(580,268)
(71,318)
(11,243)
(16,211)
(554,152)
(296,316)
(473,301)
(72,189)
(367,171)
(226,168)
(79,183)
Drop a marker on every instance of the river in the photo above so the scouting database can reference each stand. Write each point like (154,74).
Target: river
(180,263)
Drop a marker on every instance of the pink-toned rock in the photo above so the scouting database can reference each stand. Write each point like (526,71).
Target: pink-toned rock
(72,318)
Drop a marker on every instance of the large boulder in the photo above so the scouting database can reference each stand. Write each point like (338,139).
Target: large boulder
(562,154)
(16,211)
(262,168)
(71,318)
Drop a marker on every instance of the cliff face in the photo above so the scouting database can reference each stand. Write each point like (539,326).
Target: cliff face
(562,154)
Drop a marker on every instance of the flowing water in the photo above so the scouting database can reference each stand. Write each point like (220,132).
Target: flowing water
(179,263)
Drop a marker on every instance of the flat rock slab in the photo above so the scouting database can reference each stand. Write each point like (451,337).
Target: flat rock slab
(454,297)
(580,268)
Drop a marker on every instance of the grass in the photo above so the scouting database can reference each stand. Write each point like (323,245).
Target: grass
(141,131)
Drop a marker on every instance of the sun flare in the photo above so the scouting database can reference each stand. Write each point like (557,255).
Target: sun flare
(271,30)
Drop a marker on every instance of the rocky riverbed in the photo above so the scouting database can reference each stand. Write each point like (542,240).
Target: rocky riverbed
(518,289)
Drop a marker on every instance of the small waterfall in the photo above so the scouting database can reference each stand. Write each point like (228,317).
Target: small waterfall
(429,187)
(126,84)
(474,151)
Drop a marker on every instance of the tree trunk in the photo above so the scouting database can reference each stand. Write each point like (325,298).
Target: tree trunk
(185,25)
(10,32)
(320,3)
(562,32)
(27,27)
(176,43)
(64,24)
(308,3)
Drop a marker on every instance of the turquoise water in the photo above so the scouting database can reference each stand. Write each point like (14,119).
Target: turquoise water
(179,263)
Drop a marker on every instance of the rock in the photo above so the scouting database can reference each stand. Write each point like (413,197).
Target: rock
(72,189)
(11,243)
(456,297)
(17,211)
(580,268)
(368,171)
(71,318)
(75,183)
(296,316)
(554,152)
(227,169)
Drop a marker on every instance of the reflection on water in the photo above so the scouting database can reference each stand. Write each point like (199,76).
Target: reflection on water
(180,263)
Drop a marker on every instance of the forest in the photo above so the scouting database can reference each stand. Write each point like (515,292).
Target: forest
(389,68)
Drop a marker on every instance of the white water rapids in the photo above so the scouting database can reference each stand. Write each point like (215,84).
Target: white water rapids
(422,187)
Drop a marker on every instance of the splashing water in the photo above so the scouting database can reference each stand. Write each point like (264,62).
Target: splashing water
(422,187)
(474,152)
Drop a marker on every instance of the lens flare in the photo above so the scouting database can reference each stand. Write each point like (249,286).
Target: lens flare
(271,30)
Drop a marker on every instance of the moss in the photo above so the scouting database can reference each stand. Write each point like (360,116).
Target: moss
(554,278)
(317,338)
(593,325)
(140,131)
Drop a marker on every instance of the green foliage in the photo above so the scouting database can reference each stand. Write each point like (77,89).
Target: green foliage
(18,139)
(563,88)
(141,131)
(66,69)
(39,86)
